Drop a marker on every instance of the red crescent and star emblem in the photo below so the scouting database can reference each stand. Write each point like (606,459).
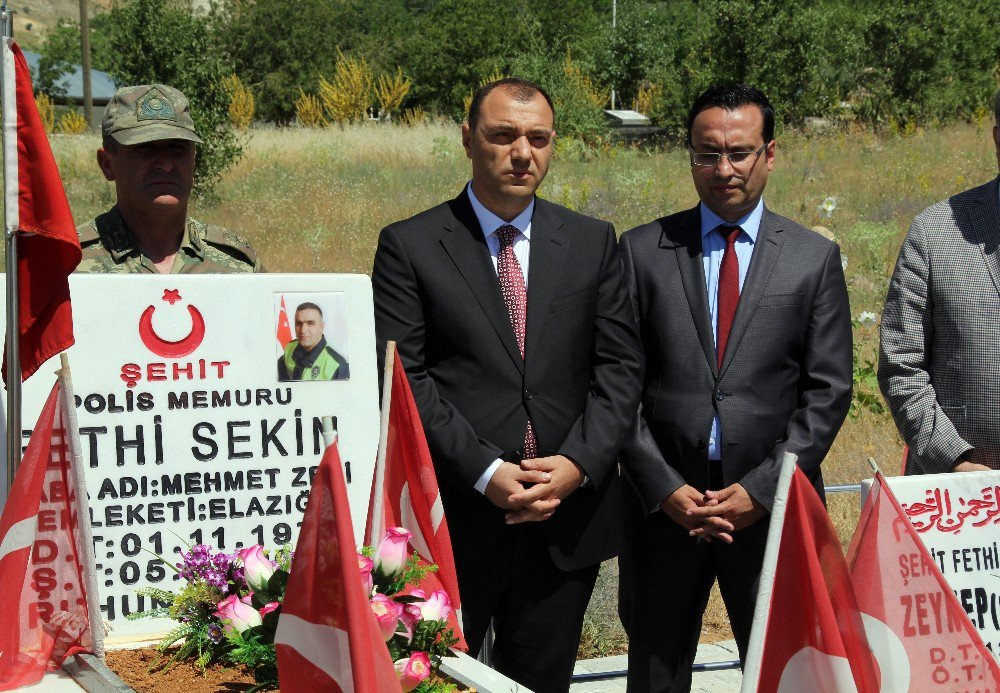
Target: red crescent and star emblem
(166,348)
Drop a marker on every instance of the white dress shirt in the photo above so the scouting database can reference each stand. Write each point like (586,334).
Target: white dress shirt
(489,223)
(713,247)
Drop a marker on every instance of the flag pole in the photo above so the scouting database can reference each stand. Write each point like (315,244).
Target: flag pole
(8,122)
(376,526)
(761,612)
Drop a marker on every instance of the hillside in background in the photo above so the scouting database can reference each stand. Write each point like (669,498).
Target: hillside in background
(33,18)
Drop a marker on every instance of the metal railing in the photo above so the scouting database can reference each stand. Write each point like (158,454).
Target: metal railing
(704,666)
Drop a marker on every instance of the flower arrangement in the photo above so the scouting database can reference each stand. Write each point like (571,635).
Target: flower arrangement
(228,607)
(413,623)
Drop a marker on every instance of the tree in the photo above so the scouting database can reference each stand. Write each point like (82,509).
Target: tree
(166,41)
(61,52)
(281,48)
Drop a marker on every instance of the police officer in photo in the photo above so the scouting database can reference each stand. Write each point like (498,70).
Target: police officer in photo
(148,151)
(309,357)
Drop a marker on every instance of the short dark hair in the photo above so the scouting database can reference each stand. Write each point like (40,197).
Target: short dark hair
(996,108)
(730,97)
(307,306)
(521,89)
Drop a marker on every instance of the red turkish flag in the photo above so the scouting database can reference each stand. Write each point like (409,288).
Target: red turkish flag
(42,589)
(284,332)
(327,637)
(409,495)
(920,634)
(813,637)
(48,248)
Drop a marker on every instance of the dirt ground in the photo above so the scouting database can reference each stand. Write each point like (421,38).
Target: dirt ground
(134,668)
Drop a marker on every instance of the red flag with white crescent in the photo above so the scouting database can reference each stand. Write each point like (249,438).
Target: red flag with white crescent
(807,632)
(920,633)
(327,637)
(48,248)
(283,333)
(43,585)
(410,498)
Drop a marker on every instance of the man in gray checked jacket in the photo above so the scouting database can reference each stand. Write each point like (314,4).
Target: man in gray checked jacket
(939,361)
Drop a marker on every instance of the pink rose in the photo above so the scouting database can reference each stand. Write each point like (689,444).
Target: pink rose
(387,614)
(390,557)
(257,569)
(237,615)
(413,670)
(366,565)
(436,607)
(408,618)
(268,608)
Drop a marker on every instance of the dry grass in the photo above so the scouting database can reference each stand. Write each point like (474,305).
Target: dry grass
(314,200)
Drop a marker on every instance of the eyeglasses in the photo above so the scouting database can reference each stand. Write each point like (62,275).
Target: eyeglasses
(712,159)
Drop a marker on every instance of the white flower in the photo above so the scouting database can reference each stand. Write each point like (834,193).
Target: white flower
(843,262)
(827,206)
(867,318)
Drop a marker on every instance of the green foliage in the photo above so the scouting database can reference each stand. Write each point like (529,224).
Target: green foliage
(880,64)
(249,649)
(280,48)
(166,41)
(195,602)
(866,393)
(61,52)
(413,574)
(627,53)
(928,61)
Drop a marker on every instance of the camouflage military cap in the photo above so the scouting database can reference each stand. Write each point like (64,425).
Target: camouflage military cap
(147,113)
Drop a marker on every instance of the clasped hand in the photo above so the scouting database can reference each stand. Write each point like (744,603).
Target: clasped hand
(532,491)
(713,514)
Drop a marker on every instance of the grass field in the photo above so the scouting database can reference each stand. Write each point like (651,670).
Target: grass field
(314,201)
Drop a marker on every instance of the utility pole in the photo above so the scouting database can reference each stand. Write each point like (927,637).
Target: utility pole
(88,98)
(614,24)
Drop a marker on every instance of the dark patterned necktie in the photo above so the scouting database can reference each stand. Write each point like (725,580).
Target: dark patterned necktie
(729,289)
(515,296)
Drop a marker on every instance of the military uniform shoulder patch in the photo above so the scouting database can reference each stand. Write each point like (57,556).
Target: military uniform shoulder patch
(230,243)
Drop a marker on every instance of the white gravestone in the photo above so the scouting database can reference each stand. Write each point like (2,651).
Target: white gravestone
(188,435)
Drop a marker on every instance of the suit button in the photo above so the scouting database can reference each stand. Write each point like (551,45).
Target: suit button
(527,394)
(720,395)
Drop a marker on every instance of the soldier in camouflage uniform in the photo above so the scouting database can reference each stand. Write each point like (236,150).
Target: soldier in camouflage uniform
(149,152)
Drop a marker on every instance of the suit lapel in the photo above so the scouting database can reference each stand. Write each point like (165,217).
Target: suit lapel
(984,216)
(767,249)
(690,263)
(465,245)
(548,252)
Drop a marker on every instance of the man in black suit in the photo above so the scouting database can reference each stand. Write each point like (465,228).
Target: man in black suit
(746,327)
(514,325)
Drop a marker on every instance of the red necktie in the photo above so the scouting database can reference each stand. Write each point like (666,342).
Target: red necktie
(729,289)
(515,295)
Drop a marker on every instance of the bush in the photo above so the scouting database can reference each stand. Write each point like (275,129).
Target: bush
(348,94)
(930,61)
(46,111)
(281,48)
(241,103)
(72,123)
(309,111)
(166,41)
(61,52)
